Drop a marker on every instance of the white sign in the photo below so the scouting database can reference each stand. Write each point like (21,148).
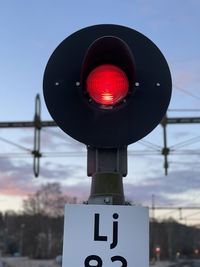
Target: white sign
(106,236)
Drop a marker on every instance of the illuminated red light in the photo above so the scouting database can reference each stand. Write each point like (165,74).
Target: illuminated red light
(107,84)
(157,249)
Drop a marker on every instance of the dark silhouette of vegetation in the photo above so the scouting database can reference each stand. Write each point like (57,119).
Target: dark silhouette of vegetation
(37,232)
(175,240)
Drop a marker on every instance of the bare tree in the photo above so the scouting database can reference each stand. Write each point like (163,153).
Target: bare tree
(49,200)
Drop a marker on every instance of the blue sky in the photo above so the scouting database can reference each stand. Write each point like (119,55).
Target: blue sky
(31,30)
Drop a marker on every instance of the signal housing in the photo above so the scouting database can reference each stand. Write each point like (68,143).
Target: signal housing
(129,120)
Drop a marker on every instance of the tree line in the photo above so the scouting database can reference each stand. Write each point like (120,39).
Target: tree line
(37,232)
(174,240)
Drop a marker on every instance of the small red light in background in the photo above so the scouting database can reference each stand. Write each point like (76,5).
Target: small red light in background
(107,84)
(157,249)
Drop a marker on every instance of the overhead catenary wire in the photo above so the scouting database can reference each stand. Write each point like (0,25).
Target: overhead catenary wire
(186,92)
(191,152)
(176,212)
(14,144)
(53,154)
(150,144)
(166,214)
(186,142)
(183,110)
(52,132)
(152,149)
(190,215)
(15,155)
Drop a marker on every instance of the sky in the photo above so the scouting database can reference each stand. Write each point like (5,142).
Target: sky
(29,33)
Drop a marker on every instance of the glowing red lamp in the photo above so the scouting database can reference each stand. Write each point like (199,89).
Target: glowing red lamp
(107,84)
(157,249)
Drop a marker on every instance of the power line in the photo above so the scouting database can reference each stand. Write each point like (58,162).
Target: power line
(184,110)
(49,131)
(186,92)
(186,143)
(15,155)
(152,149)
(149,144)
(14,144)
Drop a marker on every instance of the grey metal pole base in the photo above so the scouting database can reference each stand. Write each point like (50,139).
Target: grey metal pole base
(107,188)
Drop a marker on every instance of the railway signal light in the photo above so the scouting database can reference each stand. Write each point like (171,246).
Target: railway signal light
(107,86)
(157,250)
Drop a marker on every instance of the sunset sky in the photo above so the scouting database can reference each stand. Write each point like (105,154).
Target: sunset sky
(29,33)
